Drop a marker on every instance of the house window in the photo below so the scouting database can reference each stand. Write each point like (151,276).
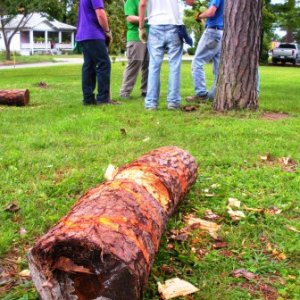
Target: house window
(66,37)
(39,36)
(25,37)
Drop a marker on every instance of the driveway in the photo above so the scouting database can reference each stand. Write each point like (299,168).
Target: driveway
(68,61)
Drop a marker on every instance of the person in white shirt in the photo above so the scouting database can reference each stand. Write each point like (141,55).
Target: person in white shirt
(164,18)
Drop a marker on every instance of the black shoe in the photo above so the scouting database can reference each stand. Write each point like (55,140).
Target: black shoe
(89,102)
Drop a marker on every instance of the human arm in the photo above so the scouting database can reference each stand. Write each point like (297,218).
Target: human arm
(142,13)
(135,19)
(102,19)
(103,22)
(210,12)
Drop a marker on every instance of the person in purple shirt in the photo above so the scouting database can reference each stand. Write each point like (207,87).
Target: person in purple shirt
(94,36)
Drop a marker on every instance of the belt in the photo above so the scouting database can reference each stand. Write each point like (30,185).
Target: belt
(215,27)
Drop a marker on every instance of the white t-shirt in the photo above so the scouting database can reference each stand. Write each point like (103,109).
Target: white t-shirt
(164,12)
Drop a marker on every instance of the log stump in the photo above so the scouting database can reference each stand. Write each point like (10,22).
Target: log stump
(104,247)
(14,97)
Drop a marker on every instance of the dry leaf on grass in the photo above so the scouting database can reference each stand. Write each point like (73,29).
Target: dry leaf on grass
(244,273)
(220,245)
(42,84)
(170,246)
(211,227)
(235,215)
(273,211)
(12,207)
(210,215)
(292,228)
(189,108)
(287,161)
(167,269)
(175,287)
(215,185)
(179,236)
(275,252)
(288,164)
(266,157)
(233,202)
(258,210)
(22,231)
(209,195)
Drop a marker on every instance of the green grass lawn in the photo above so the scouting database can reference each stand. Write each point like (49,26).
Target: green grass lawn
(36,58)
(55,149)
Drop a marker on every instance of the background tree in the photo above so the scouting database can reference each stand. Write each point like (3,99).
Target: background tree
(117,23)
(288,15)
(192,26)
(237,82)
(267,34)
(11,8)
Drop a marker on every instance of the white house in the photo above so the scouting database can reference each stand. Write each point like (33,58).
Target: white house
(39,34)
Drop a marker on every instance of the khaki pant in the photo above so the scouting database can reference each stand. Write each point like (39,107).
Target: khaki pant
(138,59)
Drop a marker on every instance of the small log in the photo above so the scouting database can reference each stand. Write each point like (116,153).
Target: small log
(105,246)
(14,97)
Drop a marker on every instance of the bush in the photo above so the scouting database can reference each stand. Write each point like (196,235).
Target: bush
(191,51)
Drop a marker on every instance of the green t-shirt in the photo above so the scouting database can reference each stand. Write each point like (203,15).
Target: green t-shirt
(131,8)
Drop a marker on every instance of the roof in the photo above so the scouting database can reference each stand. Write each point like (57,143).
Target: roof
(35,19)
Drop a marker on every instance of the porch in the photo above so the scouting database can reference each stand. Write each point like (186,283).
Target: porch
(54,42)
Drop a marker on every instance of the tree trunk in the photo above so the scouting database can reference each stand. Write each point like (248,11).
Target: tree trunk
(289,38)
(14,97)
(238,70)
(104,247)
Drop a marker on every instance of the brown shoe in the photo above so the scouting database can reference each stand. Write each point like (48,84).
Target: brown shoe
(110,101)
(197,98)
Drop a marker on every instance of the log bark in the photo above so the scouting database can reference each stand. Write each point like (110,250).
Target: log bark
(105,246)
(238,70)
(14,97)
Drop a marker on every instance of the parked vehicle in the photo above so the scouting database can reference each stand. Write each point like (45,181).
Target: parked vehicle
(286,52)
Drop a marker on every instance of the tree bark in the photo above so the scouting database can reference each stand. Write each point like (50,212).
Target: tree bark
(14,97)
(104,247)
(238,70)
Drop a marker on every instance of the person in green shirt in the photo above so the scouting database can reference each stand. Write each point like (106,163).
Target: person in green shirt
(136,51)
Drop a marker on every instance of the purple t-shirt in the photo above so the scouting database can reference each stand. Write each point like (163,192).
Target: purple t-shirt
(88,27)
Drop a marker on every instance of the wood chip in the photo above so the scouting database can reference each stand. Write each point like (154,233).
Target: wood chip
(175,287)
(110,172)
(211,227)
(25,273)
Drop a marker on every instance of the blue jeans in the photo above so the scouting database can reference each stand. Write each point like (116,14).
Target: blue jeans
(209,48)
(96,68)
(164,38)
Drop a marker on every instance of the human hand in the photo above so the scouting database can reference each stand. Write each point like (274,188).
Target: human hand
(197,17)
(108,38)
(143,35)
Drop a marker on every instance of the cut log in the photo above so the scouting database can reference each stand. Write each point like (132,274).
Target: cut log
(105,246)
(14,97)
